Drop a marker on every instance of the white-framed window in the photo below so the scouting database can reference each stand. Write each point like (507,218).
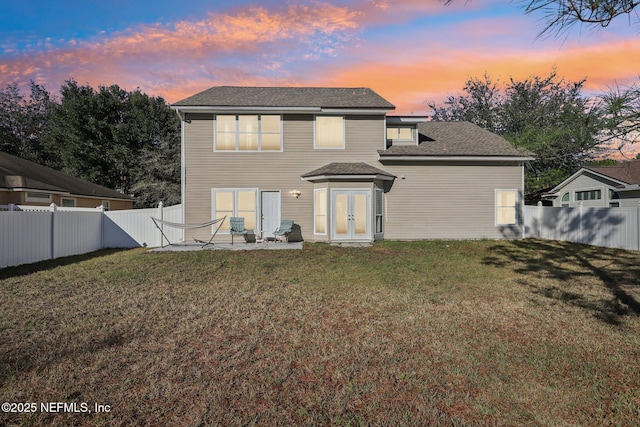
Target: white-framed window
(35,197)
(506,207)
(247,132)
(329,132)
(588,195)
(320,211)
(67,202)
(237,202)
(379,194)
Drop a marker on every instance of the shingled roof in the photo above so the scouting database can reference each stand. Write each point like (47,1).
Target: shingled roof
(627,172)
(455,139)
(17,173)
(347,169)
(321,97)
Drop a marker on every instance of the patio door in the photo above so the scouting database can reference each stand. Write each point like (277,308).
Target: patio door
(351,215)
(270,207)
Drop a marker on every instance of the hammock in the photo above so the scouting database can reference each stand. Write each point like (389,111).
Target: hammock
(187,226)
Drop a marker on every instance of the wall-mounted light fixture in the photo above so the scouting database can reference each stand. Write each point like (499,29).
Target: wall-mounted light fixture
(295,193)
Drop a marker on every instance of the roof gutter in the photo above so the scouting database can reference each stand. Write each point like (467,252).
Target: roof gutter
(454,158)
(348,177)
(280,110)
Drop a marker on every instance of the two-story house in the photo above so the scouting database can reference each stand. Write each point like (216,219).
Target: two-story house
(335,162)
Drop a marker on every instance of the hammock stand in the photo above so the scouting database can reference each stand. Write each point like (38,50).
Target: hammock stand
(218,221)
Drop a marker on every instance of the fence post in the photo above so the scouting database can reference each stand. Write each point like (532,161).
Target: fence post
(102,232)
(580,221)
(53,209)
(638,229)
(12,207)
(539,219)
(161,209)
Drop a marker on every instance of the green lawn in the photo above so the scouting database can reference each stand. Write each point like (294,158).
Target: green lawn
(414,333)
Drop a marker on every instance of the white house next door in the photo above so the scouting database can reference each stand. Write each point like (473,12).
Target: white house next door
(351,215)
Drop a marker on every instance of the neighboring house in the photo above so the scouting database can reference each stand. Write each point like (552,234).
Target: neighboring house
(26,183)
(332,160)
(611,186)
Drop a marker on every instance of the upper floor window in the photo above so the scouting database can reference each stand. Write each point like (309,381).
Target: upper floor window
(402,134)
(255,132)
(329,132)
(589,195)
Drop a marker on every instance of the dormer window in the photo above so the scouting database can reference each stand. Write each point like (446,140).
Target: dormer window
(401,135)
(403,130)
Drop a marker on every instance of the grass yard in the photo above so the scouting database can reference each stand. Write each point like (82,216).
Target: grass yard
(414,333)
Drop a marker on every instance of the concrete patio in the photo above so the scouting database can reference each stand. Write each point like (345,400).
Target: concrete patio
(186,247)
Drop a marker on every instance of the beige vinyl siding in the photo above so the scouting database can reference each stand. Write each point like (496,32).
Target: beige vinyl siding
(445,200)
(206,169)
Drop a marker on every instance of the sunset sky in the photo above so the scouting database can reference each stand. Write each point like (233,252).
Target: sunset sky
(409,51)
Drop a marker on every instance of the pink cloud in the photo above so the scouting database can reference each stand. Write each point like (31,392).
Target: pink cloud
(322,44)
(253,31)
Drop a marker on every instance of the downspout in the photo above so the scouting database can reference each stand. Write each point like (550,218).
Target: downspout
(522,224)
(183,168)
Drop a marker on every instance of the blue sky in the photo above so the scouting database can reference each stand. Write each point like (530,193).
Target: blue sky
(409,51)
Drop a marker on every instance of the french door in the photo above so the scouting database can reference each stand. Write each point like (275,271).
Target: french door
(351,215)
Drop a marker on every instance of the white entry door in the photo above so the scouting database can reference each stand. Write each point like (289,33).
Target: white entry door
(351,215)
(270,205)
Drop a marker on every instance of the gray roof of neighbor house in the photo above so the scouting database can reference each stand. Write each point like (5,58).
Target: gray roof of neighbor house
(627,172)
(322,97)
(352,169)
(21,174)
(455,139)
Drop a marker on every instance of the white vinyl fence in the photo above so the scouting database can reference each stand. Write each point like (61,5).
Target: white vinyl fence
(134,228)
(30,234)
(610,227)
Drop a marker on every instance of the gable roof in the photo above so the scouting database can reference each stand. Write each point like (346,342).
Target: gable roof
(456,139)
(322,97)
(21,174)
(627,172)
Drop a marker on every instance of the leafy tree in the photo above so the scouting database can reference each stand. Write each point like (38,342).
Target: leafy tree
(545,115)
(479,105)
(621,104)
(24,121)
(158,176)
(622,112)
(117,139)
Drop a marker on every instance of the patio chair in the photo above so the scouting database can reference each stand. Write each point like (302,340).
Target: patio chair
(237,227)
(285,228)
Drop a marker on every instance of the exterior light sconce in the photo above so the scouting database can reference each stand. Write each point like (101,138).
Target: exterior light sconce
(295,193)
